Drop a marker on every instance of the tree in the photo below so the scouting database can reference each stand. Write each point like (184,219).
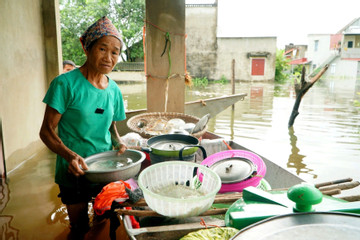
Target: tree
(76,16)
(281,67)
(302,88)
(130,17)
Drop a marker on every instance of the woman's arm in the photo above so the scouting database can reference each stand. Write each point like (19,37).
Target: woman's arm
(54,143)
(116,140)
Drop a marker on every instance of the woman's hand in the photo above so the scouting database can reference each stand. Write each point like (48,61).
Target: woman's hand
(77,165)
(121,148)
(116,140)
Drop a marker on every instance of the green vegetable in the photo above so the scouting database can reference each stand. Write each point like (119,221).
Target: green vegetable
(217,233)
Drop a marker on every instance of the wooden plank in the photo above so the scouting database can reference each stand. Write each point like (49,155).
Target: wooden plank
(146,213)
(219,198)
(213,106)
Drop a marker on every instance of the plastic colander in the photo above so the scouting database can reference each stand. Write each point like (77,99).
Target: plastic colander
(171,174)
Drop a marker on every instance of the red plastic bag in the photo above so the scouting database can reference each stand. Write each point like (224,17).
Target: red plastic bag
(114,191)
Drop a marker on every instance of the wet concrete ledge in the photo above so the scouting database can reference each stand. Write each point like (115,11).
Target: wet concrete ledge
(127,76)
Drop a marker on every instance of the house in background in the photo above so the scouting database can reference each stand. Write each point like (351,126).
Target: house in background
(210,56)
(296,55)
(341,51)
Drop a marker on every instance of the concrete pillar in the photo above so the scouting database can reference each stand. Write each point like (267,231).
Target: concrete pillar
(165,80)
(52,38)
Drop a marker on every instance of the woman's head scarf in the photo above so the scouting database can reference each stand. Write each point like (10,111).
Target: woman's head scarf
(102,27)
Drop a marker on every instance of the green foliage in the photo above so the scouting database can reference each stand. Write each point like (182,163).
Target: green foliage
(281,67)
(75,18)
(296,73)
(223,80)
(130,16)
(357,102)
(77,15)
(200,82)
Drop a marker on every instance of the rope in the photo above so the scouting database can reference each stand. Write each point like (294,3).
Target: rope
(202,222)
(144,33)
(166,94)
(178,34)
(164,77)
(167,41)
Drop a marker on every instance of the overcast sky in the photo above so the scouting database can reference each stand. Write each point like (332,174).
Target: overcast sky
(290,21)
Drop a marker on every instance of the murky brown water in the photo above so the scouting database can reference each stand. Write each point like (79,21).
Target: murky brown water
(30,208)
(323,145)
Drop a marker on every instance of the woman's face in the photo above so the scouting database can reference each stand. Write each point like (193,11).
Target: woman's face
(104,54)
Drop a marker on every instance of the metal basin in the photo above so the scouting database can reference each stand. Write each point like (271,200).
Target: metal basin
(108,167)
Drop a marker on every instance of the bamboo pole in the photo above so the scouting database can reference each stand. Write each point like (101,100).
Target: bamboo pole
(341,186)
(331,192)
(353,198)
(333,182)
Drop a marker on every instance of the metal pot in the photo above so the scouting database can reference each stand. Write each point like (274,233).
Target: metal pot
(109,167)
(188,158)
(305,225)
(170,145)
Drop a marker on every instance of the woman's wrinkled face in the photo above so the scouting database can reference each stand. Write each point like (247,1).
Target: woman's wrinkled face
(104,54)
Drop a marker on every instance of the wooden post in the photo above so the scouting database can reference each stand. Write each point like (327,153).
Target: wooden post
(233,80)
(165,55)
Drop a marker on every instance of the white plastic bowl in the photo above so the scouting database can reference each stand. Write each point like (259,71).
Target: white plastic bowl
(173,173)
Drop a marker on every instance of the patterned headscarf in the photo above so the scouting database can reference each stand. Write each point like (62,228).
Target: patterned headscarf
(102,27)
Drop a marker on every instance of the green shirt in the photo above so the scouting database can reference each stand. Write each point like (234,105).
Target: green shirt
(87,113)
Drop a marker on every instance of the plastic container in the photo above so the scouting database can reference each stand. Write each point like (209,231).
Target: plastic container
(174,173)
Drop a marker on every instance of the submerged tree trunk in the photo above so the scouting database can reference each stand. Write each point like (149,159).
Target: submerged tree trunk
(301,89)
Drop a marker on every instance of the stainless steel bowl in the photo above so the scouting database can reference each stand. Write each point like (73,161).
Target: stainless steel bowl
(108,167)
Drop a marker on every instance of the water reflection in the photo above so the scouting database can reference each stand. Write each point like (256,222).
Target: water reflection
(295,158)
(6,230)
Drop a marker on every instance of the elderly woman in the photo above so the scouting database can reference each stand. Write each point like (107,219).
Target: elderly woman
(84,104)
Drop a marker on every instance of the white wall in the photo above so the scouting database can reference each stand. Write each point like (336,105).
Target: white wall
(323,52)
(200,27)
(24,66)
(238,48)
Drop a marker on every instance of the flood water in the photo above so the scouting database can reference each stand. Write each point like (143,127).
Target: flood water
(323,145)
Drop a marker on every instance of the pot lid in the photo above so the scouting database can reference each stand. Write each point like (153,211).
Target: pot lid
(311,225)
(234,170)
(169,145)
